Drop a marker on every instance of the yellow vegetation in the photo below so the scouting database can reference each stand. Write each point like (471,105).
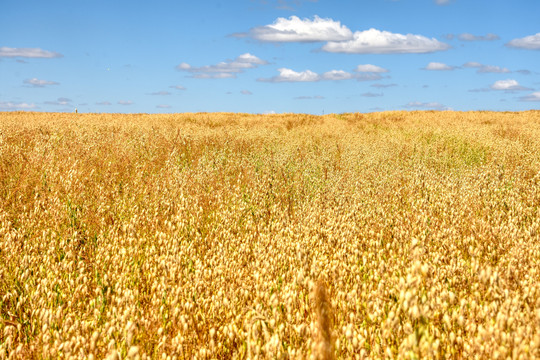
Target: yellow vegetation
(385,235)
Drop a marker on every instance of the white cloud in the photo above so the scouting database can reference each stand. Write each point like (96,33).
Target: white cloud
(437,66)
(28,53)
(337,75)
(163,106)
(370,94)
(482,69)
(225,69)
(507,85)
(471,37)
(368,68)
(106,103)
(34,82)
(7,105)
(374,41)
(531,42)
(426,105)
(177,87)
(535,96)
(125,102)
(288,75)
(295,29)
(246,92)
(160,93)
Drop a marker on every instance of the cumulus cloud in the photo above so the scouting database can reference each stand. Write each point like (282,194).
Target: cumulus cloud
(225,69)
(160,93)
(28,53)
(507,85)
(368,68)
(437,66)
(295,29)
(482,69)
(105,103)
(177,87)
(471,37)
(535,96)
(426,105)
(246,92)
(125,102)
(374,41)
(531,42)
(288,75)
(8,105)
(34,82)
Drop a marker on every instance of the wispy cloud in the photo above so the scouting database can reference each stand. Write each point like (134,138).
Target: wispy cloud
(34,82)
(225,69)
(177,87)
(62,101)
(104,103)
(426,105)
(535,96)
(125,102)
(383,86)
(483,69)
(160,93)
(370,94)
(163,106)
(295,29)
(246,92)
(316,97)
(374,41)
(284,4)
(28,53)
(8,105)
(471,37)
(437,66)
(531,42)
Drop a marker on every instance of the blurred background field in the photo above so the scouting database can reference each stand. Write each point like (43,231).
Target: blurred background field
(222,235)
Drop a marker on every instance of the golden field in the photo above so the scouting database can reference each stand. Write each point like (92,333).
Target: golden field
(388,235)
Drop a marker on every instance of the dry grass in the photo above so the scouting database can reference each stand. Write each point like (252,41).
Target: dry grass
(388,235)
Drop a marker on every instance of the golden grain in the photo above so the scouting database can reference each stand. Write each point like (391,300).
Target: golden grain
(385,235)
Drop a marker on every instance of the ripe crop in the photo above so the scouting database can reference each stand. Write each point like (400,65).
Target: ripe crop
(384,235)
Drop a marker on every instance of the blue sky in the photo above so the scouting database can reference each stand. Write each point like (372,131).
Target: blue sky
(263,56)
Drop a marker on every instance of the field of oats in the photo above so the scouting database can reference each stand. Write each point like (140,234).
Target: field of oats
(386,235)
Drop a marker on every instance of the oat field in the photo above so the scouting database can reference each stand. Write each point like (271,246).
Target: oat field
(408,235)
